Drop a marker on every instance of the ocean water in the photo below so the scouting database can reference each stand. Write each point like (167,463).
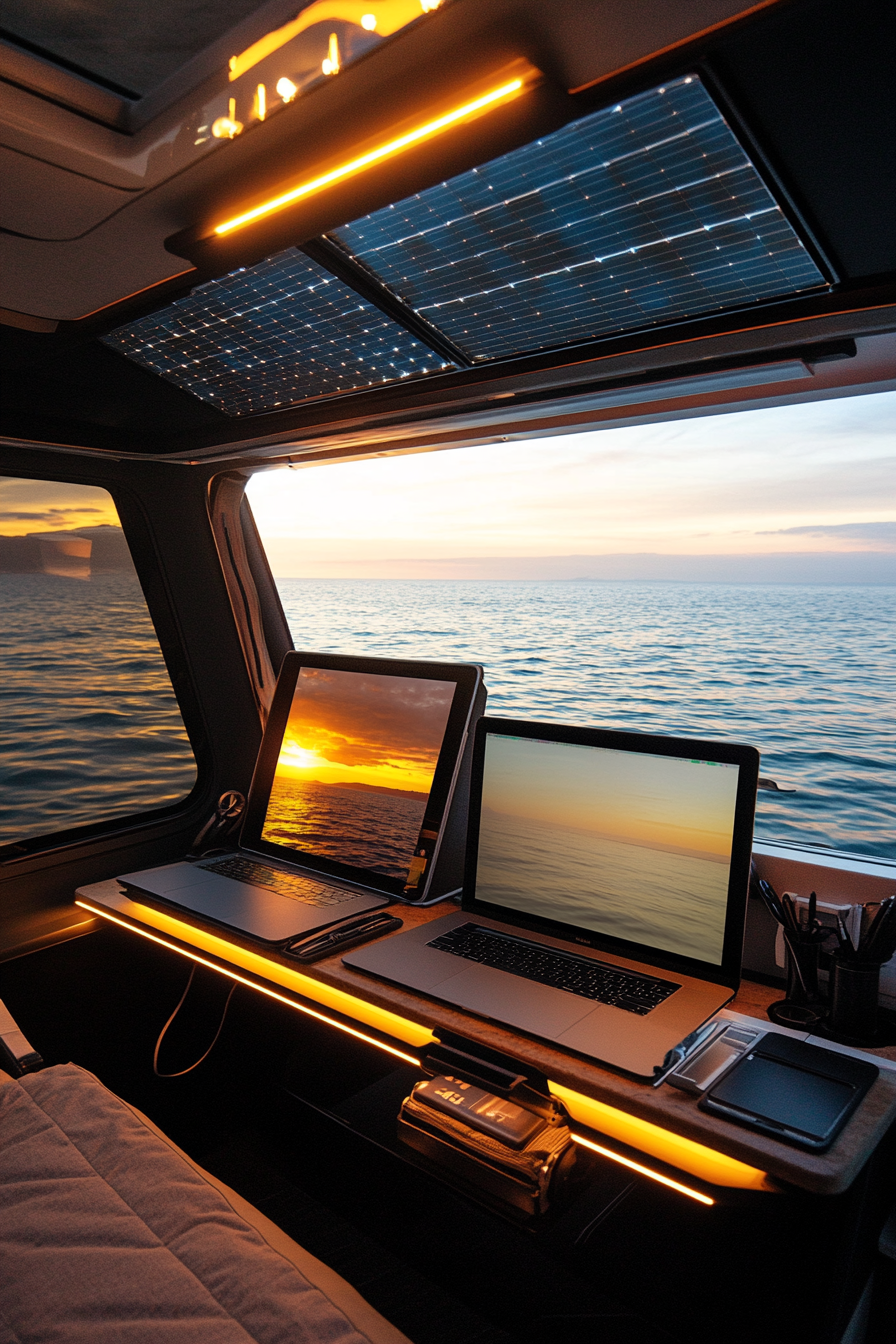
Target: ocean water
(89,726)
(674,901)
(90,729)
(804,673)
(367,830)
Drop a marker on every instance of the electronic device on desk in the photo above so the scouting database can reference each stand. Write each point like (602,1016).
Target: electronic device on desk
(338,937)
(358,799)
(702,1068)
(604,894)
(496,1134)
(793,1091)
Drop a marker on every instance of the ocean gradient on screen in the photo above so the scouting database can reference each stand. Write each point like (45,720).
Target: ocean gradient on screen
(633,845)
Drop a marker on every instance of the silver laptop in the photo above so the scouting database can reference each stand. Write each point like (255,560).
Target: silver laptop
(605,891)
(349,800)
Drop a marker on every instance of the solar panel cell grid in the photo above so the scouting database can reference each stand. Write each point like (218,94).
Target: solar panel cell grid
(271,335)
(640,213)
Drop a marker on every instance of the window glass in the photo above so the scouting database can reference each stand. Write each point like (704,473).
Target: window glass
(91,728)
(728,577)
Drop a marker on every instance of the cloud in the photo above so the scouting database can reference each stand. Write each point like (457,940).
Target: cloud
(724,483)
(354,719)
(881,531)
(30,505)
(48,515)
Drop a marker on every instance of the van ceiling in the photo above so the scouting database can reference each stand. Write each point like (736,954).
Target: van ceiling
(804,87)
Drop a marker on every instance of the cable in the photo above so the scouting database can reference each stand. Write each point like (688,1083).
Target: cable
(155,1053)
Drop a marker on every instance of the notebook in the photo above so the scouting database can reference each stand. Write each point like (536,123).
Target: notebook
(348,803)
(605,891)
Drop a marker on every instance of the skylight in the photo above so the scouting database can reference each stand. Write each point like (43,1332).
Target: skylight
(271,335)
(641,213)
(131,46)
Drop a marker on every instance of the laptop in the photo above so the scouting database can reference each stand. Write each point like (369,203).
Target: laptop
(349,800)
(605,891)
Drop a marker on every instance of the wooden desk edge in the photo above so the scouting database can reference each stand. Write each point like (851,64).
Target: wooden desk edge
(821,1173)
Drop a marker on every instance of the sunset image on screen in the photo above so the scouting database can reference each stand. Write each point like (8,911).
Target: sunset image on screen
(356,766)
(625,843)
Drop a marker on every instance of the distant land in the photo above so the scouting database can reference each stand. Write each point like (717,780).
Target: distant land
(370,788)
(76,553)
(798,567)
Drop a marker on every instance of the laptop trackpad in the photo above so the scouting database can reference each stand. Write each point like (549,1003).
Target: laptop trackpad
(518,1002)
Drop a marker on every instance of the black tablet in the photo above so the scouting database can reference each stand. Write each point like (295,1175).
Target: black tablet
(800,1093)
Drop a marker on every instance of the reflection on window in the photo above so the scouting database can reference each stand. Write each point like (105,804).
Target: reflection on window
(91,728)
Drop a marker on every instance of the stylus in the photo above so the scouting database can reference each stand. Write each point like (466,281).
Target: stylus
(342,933)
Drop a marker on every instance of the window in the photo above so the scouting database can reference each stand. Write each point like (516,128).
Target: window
(91,728)
(728,576)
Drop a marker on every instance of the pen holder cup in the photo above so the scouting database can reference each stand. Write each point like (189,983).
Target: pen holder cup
(801,1009)
(854,989)
(801,965)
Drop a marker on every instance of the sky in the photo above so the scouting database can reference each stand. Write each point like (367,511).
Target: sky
(658,801)
(791,491)
(51,506)
(349,727)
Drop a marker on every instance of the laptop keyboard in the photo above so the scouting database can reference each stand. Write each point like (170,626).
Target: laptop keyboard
(298,888)
(561,970)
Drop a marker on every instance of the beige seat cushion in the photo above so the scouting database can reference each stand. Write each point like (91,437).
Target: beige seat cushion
(109,1232)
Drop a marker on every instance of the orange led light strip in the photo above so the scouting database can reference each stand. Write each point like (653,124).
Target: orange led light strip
(502,94)
(709,1165)
(643,1171)
(676,1150)
(250,984)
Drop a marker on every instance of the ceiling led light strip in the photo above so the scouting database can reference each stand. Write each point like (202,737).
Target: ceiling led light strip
(495,97)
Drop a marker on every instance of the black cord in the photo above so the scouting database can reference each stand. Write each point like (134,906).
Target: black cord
(155,1053)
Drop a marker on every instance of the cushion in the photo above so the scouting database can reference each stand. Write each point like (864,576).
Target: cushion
(108,1232)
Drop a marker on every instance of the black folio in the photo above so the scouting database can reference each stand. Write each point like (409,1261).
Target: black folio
(794,1091)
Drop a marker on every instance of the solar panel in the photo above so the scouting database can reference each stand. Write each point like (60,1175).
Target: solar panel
(271,335)
(641,213)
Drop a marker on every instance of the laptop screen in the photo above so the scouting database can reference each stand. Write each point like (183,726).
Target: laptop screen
(631,845)
(356,766)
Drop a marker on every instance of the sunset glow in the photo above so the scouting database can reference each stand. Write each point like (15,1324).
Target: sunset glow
(658,801)
(375,731)
(52,506)
(784,482)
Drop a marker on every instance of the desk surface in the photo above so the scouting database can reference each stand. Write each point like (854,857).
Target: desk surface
(330,983)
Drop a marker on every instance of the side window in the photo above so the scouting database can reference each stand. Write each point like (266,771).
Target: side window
(91,729)
(721,577)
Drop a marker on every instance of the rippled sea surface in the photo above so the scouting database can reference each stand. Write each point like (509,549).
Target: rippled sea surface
(367,830)
(805,673)
(89,726)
